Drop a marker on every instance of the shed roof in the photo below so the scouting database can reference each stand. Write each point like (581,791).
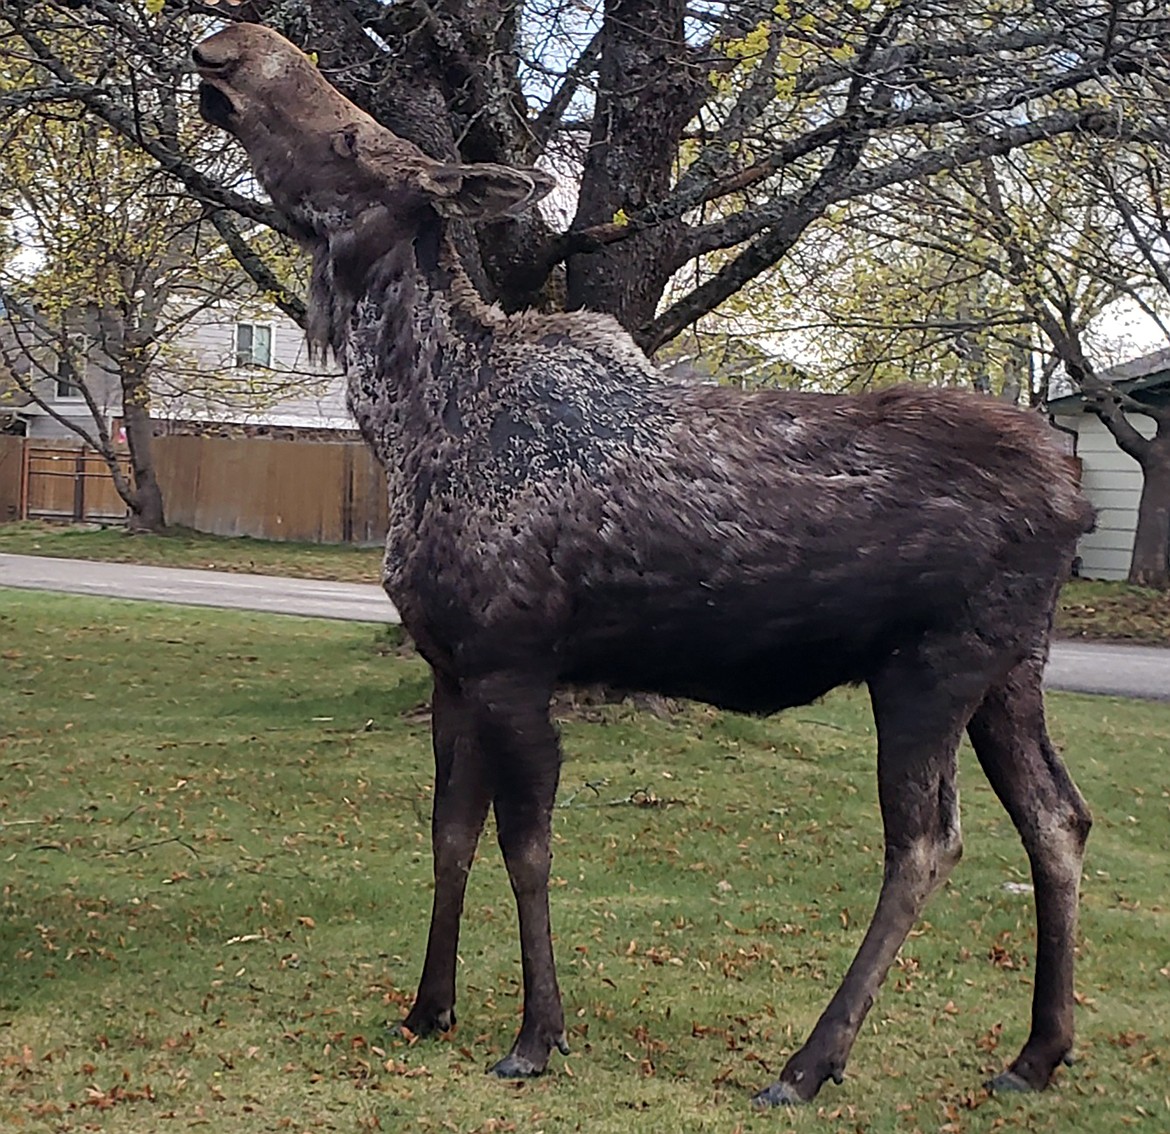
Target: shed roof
(1146,379)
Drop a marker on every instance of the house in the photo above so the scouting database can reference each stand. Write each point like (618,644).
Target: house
(226,369)
(248,373)
(1111,479)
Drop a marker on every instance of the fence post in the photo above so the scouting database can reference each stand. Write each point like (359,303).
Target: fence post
(347,496)
(24,459)
(79,486)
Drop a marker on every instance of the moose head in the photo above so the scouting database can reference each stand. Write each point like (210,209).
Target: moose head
(323,160)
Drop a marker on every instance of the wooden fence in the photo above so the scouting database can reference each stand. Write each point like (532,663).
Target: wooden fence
(288,490)
(68,482)
(11,464)
(315,492)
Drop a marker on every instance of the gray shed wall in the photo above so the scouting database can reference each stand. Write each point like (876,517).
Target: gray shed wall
(1113,483)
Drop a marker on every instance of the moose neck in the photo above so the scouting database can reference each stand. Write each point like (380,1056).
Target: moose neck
(407,326)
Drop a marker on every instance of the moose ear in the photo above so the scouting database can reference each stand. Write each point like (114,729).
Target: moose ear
(483,191)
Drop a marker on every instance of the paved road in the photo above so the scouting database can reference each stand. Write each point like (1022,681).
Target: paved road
(1122,671)
(1083,667)
(351,601)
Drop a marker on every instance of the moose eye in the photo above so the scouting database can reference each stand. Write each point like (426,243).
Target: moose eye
(345,142)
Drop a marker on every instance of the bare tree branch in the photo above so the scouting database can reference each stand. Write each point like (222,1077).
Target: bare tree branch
(263,276)
(123,122)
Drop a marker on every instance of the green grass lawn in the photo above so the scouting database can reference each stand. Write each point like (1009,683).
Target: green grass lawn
(214,830)
(1088,610)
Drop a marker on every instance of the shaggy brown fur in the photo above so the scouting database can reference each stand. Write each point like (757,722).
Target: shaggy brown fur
(559,512)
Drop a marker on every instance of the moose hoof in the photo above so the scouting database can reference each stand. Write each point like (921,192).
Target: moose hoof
(517,1066)
(1008,1082)
(426,1023)
(778,1094)
(514,1066)
(795,1087)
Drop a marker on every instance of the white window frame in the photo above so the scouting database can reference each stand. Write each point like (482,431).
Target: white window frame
(238,361)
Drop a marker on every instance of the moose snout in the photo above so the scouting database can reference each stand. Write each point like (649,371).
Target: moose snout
(206,61)
(212,58)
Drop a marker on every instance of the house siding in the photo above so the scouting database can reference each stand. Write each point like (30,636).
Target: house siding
(1112,480)
(40,426)
(49,429)
(194,378)
(103,388)
(204,384)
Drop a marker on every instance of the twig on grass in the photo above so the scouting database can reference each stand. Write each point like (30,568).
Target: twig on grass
(823,724)
(589,785)
(639,797)
(138,847)
(644,797)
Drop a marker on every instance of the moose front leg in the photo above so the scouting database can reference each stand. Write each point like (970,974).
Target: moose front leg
(462,794)
(521,745)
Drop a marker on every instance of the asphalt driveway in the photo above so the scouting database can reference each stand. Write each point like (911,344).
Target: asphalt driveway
(1081,667)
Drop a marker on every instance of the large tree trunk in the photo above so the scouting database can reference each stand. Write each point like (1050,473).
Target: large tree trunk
(1150,566)
(146,503)
(646,93)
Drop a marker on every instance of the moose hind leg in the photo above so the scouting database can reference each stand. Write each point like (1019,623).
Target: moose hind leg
(1012,745)
(462,795)
(919,722)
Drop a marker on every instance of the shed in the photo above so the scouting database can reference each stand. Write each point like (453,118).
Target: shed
(1112,480)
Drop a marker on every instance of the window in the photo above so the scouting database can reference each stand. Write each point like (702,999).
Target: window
(70,370)
(253,344)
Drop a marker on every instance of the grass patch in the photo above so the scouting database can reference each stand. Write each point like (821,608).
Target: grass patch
(1088,609)
(181,547)
(214,827)
(1092,609)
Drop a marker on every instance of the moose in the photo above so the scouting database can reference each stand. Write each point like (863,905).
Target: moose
(560,513)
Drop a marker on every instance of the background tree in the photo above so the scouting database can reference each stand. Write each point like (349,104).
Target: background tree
(1134,265)
(713,134)
(1006,275)
(9,391)
(110,262)
(910,284)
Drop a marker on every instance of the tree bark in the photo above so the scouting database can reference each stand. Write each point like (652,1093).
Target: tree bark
(1150,566)
(647,90)
(146,501)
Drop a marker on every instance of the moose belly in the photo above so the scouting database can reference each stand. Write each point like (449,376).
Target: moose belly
(739,652)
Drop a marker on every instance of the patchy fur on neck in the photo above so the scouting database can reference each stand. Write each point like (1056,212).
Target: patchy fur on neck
(344,259)
(344,264)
